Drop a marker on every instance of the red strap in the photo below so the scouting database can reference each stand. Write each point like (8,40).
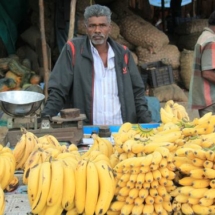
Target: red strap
(125,56)
(73,51)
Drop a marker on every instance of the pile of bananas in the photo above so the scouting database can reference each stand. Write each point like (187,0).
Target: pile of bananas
(173,112)
(7,166)
(100,144)
(51,185)
(24,147)
(95,184)
(43,152)
(143,184)
(2,201)
(196,194)
(84,185)
(127,145)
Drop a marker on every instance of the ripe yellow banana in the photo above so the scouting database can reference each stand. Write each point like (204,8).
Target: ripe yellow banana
(206,202)
(33,184)
(106,187)
(201,183)
(187,208)
(149,200)
(110,147)
(54,209)
(92,190)
(162,191)
(69,186)
(2,201)
(56,181)
(137,209)
(33,159)
(166,117)
(125,127)
(148,209)
(103,148)
(9,169)
(186,168)
(114,160)
(127,145)
(126,209)
(116,206)
(44,179)
(81,185)
(143,193)
(167,206)
(73,211)
(199,209)
(197,193)
(19,149)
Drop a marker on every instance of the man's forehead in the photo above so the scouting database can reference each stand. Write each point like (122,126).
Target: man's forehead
(97,19)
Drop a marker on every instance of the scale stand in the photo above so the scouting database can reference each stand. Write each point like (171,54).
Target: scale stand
(28,122)
(65,130)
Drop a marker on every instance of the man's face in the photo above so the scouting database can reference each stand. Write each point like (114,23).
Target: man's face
(98,29)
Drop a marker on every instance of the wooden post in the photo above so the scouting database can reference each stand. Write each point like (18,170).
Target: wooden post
(44,48)
(72,19)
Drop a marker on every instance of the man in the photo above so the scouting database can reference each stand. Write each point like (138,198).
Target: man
(202,84)
(97,78)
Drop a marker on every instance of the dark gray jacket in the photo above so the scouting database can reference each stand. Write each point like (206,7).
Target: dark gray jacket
(76,83)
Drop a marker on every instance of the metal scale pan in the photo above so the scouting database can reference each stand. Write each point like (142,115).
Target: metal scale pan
(20,103)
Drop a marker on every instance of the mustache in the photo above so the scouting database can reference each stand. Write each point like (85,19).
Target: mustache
(100,35)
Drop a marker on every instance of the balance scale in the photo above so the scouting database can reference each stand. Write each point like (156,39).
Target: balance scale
(21,108)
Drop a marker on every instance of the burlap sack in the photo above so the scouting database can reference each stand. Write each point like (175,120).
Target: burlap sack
(187,41)
(186,67)
(81,26)
(176,76)
(124,42)
(168,53)
(169,92)
(142,33)
(115,31)
(31,35)
(193,26)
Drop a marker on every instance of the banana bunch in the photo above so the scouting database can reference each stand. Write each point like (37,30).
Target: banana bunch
(95,184)
(100,144)
(7,166)
(51,185)
(143,184)
(125,132)
(144,132)
(173,112)
(196,194)
(202,126)
(49,140)
(24,147)
(37,156)
(2,201)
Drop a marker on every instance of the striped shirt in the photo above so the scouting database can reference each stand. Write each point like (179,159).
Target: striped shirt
(202,91)
(106,104)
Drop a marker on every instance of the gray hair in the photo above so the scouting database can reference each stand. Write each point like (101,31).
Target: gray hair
(97,10)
